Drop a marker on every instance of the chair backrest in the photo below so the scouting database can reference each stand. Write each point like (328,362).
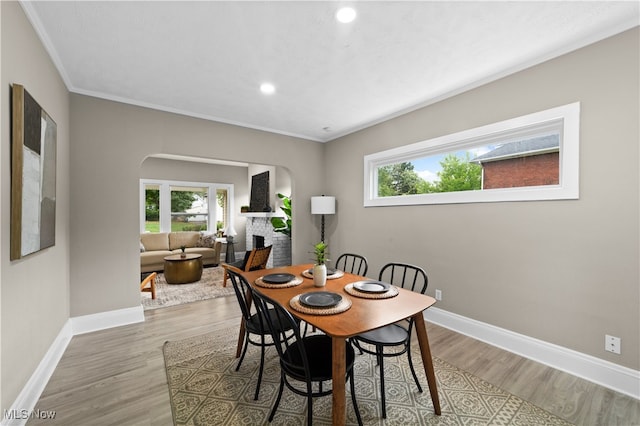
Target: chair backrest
(352,263)
(258,258)
(148,279)
(404,275)
(242,289)
(289,346)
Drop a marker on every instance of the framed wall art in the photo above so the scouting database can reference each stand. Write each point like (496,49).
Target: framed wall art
(259,201)
(33,176)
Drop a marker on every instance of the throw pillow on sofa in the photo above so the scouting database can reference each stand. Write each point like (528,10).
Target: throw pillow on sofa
(183,238)
(154,241)
(206,240)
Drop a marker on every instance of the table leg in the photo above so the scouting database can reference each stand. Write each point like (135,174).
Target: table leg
(427,361)
(339,407)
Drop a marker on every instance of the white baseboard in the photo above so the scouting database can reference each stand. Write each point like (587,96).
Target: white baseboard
(109,319)
(23,407)
(613,376)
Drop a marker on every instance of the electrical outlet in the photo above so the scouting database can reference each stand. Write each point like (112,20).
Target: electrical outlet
(438,294)
(612,344)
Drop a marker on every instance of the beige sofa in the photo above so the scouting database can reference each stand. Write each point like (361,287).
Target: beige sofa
(155,246)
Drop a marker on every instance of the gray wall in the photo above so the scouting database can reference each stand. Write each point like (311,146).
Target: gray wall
(34,291)
(110,141)
(565,272)
(562,271)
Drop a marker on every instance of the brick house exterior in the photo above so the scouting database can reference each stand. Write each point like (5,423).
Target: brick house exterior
(533,170)
(531,162)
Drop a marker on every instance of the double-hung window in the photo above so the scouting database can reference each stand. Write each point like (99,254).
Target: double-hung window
(169,206)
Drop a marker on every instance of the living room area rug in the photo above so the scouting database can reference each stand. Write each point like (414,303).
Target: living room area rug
(205,389)
(209,287)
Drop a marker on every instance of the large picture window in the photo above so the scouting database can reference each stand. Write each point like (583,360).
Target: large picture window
(169,206)
(534,157)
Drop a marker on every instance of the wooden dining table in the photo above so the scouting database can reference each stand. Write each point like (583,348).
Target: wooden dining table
(365,314)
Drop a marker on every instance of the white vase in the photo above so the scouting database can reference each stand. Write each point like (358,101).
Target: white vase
(319,275)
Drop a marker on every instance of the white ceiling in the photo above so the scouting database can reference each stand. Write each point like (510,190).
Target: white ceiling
(208,58)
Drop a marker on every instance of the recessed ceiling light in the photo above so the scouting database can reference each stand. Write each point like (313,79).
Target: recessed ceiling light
(346,14)
(267,88)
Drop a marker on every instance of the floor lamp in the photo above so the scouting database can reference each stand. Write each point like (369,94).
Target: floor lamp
(323,205)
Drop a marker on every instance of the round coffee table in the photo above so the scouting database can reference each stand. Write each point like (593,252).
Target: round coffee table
(183,269)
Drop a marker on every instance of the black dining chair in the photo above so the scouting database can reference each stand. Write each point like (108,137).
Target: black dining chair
(306,359)
(352,263)
(398,335)
(256,330)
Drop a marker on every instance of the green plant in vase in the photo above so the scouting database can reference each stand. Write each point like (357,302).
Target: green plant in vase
(320,267)
(320,251)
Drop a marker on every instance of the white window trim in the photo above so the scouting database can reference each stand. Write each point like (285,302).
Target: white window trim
(566,118)
(165,199)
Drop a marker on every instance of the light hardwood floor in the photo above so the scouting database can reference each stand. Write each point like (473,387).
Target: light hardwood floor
(117,376)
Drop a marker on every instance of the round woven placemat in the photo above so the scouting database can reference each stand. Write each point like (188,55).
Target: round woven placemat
(342,306)
(294,282)
(338,274)
(392,292)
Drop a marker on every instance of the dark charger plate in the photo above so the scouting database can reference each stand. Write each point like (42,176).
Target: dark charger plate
(278,278)
(320,299)
(330,271)
(371,286)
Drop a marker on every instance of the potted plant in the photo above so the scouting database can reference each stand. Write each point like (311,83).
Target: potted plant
(283,225)
(320,268)
(244,209)
(183,254)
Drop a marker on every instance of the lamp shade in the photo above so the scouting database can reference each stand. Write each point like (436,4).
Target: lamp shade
(323,205)
(230,231)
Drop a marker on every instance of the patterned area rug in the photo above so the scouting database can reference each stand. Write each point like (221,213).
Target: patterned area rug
(209,287)
(205,389)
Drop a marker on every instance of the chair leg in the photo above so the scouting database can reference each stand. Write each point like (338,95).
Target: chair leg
(244,350)
(310,404)
(275,404)
(224,279)
(350,377)
(413,371)
(153,288)
(262,350)
(357,345)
